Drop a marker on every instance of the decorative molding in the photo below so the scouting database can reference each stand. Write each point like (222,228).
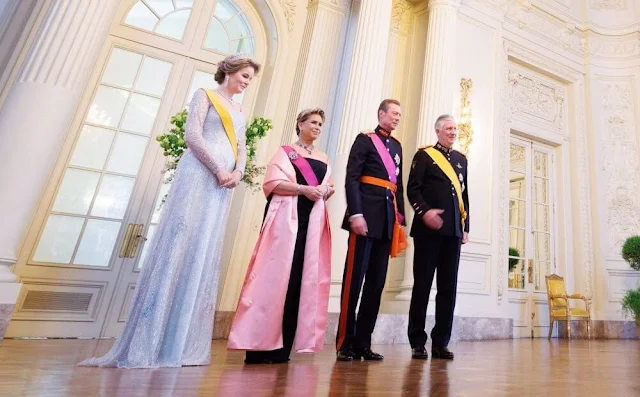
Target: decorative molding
(607,47)
(584,190)
(619,281)
(401,16)
(465,130)
(619,158)
(536,99)
(443,3)
(340,5)
(561,33)
(289,12)
(615,5)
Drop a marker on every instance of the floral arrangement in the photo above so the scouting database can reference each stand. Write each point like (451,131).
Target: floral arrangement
(174,146)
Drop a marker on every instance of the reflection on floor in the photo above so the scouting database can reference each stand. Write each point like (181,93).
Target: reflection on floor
(501,368)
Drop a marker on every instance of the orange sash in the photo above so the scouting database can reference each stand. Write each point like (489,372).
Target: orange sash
(398,238)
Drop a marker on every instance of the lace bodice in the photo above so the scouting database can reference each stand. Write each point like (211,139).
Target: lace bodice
(202,123)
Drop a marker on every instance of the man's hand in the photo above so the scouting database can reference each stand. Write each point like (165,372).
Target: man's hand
(465,238)
(359,226)
(432,219)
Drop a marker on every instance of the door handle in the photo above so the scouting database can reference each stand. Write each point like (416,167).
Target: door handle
(131,241)
(530,271)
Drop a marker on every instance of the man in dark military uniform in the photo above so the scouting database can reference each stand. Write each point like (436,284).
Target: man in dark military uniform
(437,190)
(374,208)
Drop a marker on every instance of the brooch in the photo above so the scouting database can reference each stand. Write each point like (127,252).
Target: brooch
(459,166)
(293,155)
(397,159)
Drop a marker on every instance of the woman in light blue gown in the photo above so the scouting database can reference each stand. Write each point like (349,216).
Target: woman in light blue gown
(171,319)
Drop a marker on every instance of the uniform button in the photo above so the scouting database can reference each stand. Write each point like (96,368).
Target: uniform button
(387,149)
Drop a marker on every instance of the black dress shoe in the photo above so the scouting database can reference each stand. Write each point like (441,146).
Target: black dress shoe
(368,354)
(420,353)
(346,355)
(441,352)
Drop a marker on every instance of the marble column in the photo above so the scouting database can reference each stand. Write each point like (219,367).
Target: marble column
(438,89)
(363,95)
(319,53)
(36,117)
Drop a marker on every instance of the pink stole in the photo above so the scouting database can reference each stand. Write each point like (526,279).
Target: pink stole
(303,166)
(257,324)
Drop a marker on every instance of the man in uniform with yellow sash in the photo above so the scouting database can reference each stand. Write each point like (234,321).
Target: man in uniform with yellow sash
(437,190)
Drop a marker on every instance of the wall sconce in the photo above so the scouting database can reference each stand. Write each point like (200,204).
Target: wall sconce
(465,132)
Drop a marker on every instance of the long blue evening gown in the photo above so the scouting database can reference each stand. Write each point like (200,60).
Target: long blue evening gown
(171,319)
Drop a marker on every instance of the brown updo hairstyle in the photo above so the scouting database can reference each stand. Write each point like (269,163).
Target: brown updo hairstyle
(232,64)
(305,114)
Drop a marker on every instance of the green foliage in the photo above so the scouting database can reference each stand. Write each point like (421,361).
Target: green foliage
(173,141)
(631,252)
(255,131)
(513,262)
(174,145)
(631,304)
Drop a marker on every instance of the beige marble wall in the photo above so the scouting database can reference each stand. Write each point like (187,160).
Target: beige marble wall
(600,329)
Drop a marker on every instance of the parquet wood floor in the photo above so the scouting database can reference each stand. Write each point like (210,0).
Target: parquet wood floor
(526,367)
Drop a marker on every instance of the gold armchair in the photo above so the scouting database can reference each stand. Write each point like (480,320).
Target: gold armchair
(559,308)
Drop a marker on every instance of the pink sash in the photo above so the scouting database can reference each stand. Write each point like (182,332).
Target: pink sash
(303,166)
(385,156)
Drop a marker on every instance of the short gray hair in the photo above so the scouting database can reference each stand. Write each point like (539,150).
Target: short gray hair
(441,120)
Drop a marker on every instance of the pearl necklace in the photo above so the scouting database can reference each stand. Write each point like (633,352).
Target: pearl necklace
(224,96)
(309,149)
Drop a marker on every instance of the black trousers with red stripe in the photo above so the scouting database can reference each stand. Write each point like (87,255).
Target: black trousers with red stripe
(367,260)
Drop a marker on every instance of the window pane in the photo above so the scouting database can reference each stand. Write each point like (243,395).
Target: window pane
(174,25)
(76,191)
(141,114)
(122,68)
(113,197)
(161,7)
(107,106)
(517,276)
(541,190)
(517,161)
(244,46)
(58,239)
(540,270)
(517,242)
(542,243)
(217,38)
(153,76)
(238,27)
(540,164)
(98,241)
(517,187)
(140,16)
(92,148)
(517,213)
(225,10)
(200,80)
(128,153)
(183,3)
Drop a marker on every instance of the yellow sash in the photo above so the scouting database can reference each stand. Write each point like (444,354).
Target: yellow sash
(448,170)
(227,122)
